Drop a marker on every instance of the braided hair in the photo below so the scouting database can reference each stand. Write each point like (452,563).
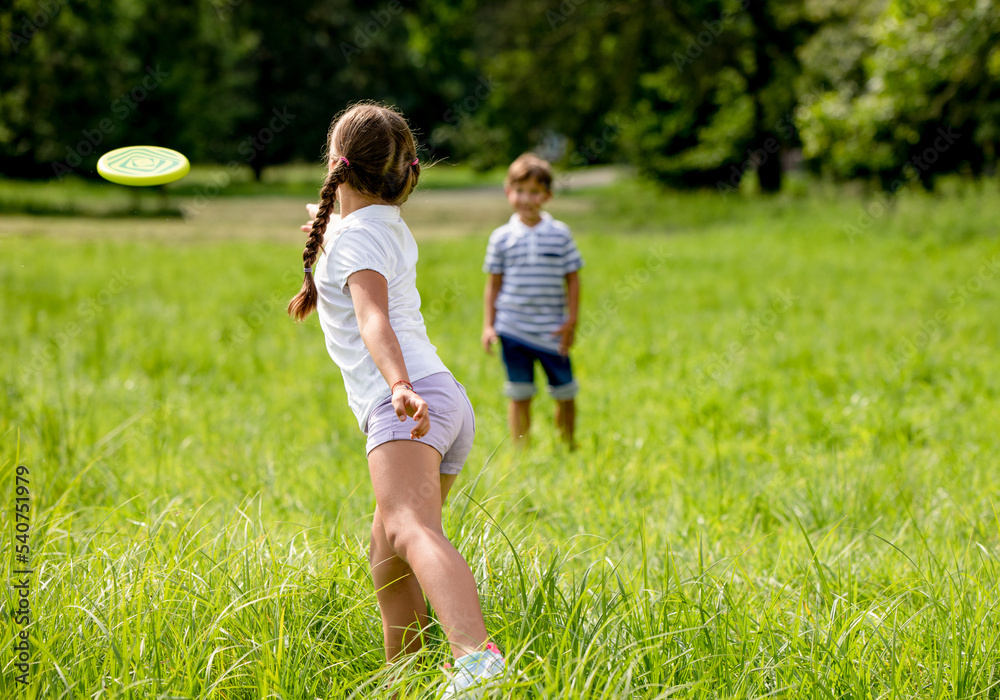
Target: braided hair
(377,157)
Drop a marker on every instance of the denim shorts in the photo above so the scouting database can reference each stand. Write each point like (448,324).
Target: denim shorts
(453,423)
(520,358)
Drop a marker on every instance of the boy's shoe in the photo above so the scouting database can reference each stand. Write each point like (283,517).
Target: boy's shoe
(474,673)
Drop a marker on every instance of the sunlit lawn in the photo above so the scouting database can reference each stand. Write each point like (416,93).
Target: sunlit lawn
(786,481)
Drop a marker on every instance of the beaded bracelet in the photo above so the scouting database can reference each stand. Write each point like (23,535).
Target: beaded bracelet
(405,383)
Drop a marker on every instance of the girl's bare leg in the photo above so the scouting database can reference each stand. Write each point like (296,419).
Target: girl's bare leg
(400,598)
(410,490)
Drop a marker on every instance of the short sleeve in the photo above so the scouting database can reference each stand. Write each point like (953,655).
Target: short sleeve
(353,251)
(572,260)
(494,262)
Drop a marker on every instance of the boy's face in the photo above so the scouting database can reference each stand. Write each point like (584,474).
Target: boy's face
(526,197)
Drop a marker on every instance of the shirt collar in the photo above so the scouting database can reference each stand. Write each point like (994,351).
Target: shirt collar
(373,212)
(521,227)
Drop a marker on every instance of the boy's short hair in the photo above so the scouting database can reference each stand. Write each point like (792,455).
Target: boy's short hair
(529,166)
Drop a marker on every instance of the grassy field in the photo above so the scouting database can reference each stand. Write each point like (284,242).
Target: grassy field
(94,197)
(786,485)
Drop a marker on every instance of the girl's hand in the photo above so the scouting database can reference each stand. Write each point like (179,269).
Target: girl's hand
(566,335)
(489,339)
(407,402)
(313,210)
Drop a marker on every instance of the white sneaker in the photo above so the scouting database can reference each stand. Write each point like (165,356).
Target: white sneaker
(472,673)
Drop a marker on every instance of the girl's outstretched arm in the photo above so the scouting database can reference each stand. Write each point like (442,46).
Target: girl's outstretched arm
(313,210)
(370,294)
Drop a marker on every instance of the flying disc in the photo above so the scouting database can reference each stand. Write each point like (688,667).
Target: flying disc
(142,166)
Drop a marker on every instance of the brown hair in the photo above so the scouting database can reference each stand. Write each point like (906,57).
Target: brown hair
(530,166)
(376,155)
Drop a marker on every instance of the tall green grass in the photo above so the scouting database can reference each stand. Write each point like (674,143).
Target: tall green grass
(786,484)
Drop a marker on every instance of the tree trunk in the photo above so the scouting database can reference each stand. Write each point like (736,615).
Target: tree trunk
(766,143)
(769,172)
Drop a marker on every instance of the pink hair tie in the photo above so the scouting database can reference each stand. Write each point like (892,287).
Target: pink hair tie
(415,161)
(346,162)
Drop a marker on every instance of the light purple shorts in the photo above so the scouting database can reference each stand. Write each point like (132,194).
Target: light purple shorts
(453,423)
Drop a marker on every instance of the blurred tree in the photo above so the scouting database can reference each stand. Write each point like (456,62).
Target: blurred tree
(204,89)
(694,94)
(719,101)
(916,92)
(546,76)
(81,77)
(449,80)
(326,54)
(59,61)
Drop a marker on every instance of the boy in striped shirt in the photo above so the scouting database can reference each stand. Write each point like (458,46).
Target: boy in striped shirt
(532,297)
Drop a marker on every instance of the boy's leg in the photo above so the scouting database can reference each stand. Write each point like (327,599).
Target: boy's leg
(519,360)
(566,419)
(409,489)
(519,420)
(563,388)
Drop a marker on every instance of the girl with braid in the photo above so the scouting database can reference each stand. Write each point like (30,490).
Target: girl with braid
(418,419)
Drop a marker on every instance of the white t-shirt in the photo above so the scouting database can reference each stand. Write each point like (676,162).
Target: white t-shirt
(372,238)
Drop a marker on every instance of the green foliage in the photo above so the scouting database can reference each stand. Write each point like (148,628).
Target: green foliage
(312,58)
(683,141)
(911,73)
(695,94)
(718,104)
(82,77)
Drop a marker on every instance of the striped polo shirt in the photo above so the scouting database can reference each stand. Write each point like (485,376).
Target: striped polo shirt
(534,262)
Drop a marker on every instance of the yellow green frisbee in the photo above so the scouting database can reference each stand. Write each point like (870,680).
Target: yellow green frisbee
(141,166)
